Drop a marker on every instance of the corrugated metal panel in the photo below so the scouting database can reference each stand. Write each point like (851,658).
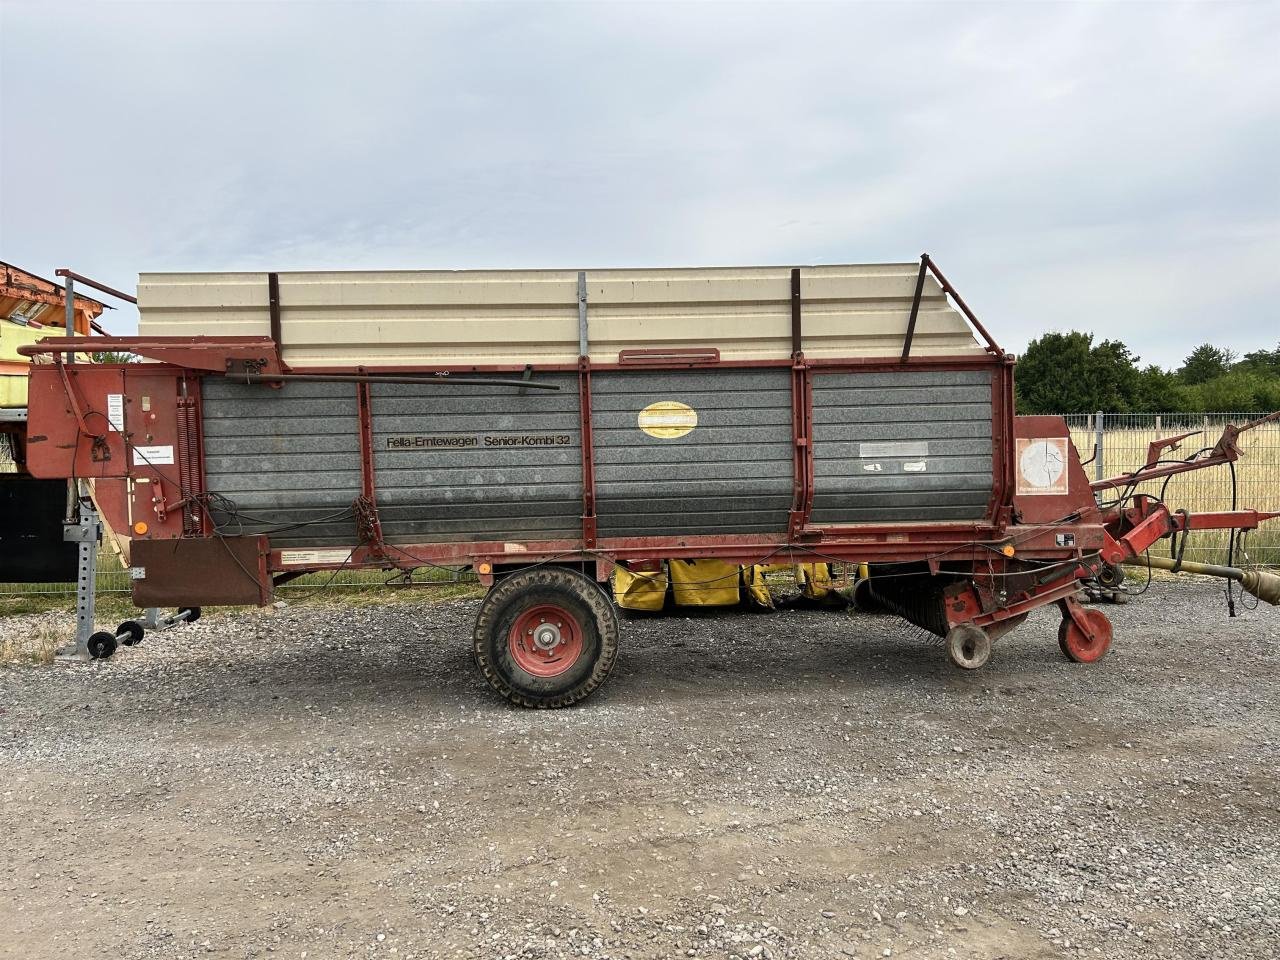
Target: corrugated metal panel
(909,446)
(423,318)
(515,475)
(732,473)
(282,457)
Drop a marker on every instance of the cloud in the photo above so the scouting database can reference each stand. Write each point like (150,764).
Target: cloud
(1102,167)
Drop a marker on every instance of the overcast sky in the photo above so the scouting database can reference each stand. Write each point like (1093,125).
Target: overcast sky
(1104,167)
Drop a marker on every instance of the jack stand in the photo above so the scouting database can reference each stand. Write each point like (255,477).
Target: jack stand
(154,620)
(87,532)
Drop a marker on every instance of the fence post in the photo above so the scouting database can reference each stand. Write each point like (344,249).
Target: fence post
(1158,427)
(1098,473)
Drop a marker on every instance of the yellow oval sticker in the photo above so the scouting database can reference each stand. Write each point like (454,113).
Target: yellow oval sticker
(667,419)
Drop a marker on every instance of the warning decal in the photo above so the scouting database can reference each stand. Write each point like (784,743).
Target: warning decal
(1042,466)
(667,419)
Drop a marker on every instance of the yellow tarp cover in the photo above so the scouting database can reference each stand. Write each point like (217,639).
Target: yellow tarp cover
(814,580)
(639,591)
(715,583)
(704,583)
(754,583)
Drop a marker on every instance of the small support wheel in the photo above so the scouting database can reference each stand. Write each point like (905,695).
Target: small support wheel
(193,611)
(102,645)
(1087,645)
(968,646)
(132,631)
(545,637)
(1111,576)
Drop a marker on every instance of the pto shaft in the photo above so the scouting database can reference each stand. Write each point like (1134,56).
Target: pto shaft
(1263,585)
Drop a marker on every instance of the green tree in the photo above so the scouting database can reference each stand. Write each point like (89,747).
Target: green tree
(1159,391)
(1266,362)
(1206,362)
(114,356)
(1053,374)
(1067,373)
(1113,376)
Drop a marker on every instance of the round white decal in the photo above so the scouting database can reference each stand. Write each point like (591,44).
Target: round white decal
(1042,464)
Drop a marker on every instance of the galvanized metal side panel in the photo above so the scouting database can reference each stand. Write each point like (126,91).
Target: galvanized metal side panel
(478,463)
(901,446)
(732,473)
(287,460)
(444,317)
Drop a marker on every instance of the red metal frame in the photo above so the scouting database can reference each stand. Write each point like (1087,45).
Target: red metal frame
(588,454)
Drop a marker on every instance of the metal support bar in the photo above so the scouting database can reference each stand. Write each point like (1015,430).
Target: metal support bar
(588,453)
(154,620)
(273,304)
(444,380)
(992,346)
(582,313)
(1099,458)
(71,276)
(71,314)
(915,307)
(796,331)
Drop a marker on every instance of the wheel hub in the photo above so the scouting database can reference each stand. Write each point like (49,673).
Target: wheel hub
(545,640)
(546,636)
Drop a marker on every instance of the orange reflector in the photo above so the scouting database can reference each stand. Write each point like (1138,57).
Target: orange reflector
(140,527)
(485,568)
(1008,550)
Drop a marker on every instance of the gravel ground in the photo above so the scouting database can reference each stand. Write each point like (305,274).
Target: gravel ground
(329,781)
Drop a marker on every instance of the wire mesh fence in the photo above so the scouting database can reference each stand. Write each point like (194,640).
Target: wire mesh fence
(1117,443)
(113,580)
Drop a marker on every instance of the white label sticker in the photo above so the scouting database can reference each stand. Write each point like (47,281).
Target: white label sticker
(880,450)
(514,548)
(152,456)
(303,558)
(873,467)
(115,411)
(915,466)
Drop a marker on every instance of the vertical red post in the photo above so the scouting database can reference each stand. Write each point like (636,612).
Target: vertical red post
(588,454)
(366,507)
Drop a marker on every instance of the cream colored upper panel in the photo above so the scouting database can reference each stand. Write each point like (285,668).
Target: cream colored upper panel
(425,318)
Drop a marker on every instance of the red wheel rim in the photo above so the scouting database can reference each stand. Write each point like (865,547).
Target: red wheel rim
(1083,648)
(545,641)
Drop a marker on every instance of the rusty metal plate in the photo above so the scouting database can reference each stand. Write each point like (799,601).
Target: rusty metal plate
(225,571)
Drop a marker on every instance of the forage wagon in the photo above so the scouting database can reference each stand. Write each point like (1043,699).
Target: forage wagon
(548,428)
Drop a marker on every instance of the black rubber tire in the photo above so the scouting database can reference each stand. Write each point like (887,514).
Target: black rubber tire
(580,596)
(195,613)
(102,645)
(133,632)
